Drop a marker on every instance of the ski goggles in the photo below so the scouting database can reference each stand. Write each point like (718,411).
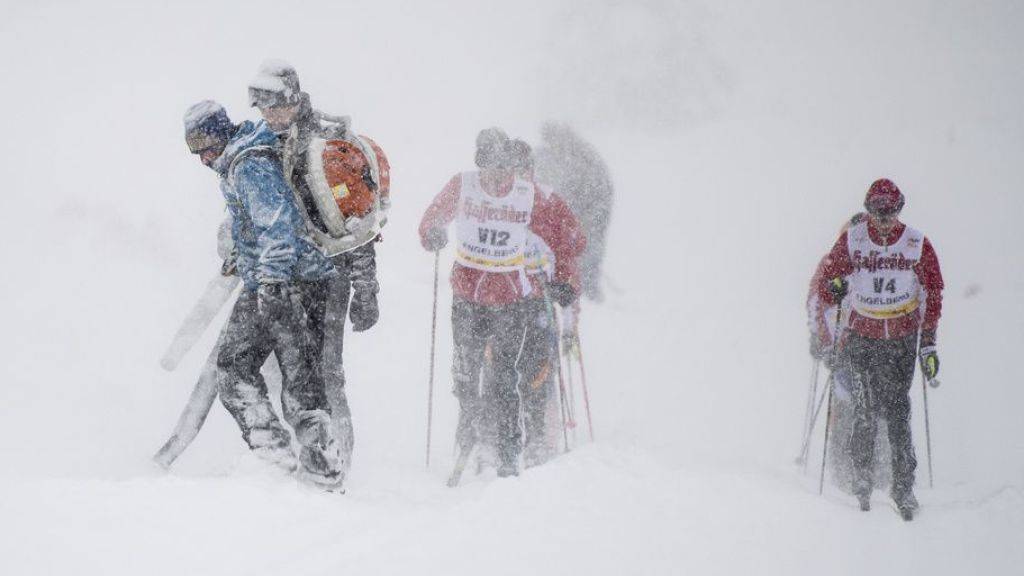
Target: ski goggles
(883,207)
(199,142)
(263,98)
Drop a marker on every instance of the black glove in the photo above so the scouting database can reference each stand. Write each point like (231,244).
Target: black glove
(230,265)
(839,288)
(363,311)
(437,238)
(928,355)
(274,300)
(562,293)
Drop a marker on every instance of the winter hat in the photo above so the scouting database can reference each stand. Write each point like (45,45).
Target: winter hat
(207,125)
(276,84)
(522,155)
(492,148)
(883,198)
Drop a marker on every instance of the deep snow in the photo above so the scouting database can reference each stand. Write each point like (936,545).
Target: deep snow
(739,135)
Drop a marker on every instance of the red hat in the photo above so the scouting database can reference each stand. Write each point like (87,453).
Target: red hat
(883,198)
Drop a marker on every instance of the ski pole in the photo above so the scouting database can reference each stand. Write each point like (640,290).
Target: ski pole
(433,341)
(561,397)
(812,393)
(583,383)
(824,451)
(927,428)
(567,354)
(831,386)
(558,359)
(802,458)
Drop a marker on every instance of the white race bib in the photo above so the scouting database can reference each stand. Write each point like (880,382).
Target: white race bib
(491,232)
(883,284)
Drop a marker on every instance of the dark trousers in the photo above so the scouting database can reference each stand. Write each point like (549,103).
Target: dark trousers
(296,338)
(338,291)
(538,367)
(474,326)
(883,371)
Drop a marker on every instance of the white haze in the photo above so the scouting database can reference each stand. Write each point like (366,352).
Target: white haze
(739,136)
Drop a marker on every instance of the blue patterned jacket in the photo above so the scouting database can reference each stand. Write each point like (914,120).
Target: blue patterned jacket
(266,225)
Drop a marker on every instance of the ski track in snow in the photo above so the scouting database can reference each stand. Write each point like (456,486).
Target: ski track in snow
(652,519)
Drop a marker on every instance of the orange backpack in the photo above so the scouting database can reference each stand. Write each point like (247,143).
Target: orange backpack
(350,181)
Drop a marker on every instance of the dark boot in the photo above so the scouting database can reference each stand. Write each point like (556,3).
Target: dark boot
(320,455)
(508,469)
(906,502)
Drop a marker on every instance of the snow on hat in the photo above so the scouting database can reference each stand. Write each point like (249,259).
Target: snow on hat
(883,198)
(206,125)
(522,155)
(276,84)
(492,148)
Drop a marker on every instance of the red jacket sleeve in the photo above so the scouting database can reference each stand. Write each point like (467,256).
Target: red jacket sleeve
(554,222)
(819,273)
(930,277)
(441,211)
(815,308)
(836,264)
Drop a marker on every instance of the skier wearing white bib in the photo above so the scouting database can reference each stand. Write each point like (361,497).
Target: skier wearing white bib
(493,212)
(895,286)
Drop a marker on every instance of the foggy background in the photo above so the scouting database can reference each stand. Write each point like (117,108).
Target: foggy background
(739,135)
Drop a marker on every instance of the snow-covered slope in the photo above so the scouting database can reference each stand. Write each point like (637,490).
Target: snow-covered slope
(739,135)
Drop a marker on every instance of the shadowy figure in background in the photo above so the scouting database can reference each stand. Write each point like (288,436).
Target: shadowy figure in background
(573,168)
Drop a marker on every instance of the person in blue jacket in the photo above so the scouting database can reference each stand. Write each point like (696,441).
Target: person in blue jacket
(283,301)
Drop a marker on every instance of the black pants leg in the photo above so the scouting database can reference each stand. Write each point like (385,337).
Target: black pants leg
(298,344)
(244,348)
(297,338)
(470,325)
(900,371)
(474,326)
(883,371)
(538,369)
(333,367)
(508,338)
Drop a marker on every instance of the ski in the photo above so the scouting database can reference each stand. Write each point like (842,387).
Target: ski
(194,414)
(218,291)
